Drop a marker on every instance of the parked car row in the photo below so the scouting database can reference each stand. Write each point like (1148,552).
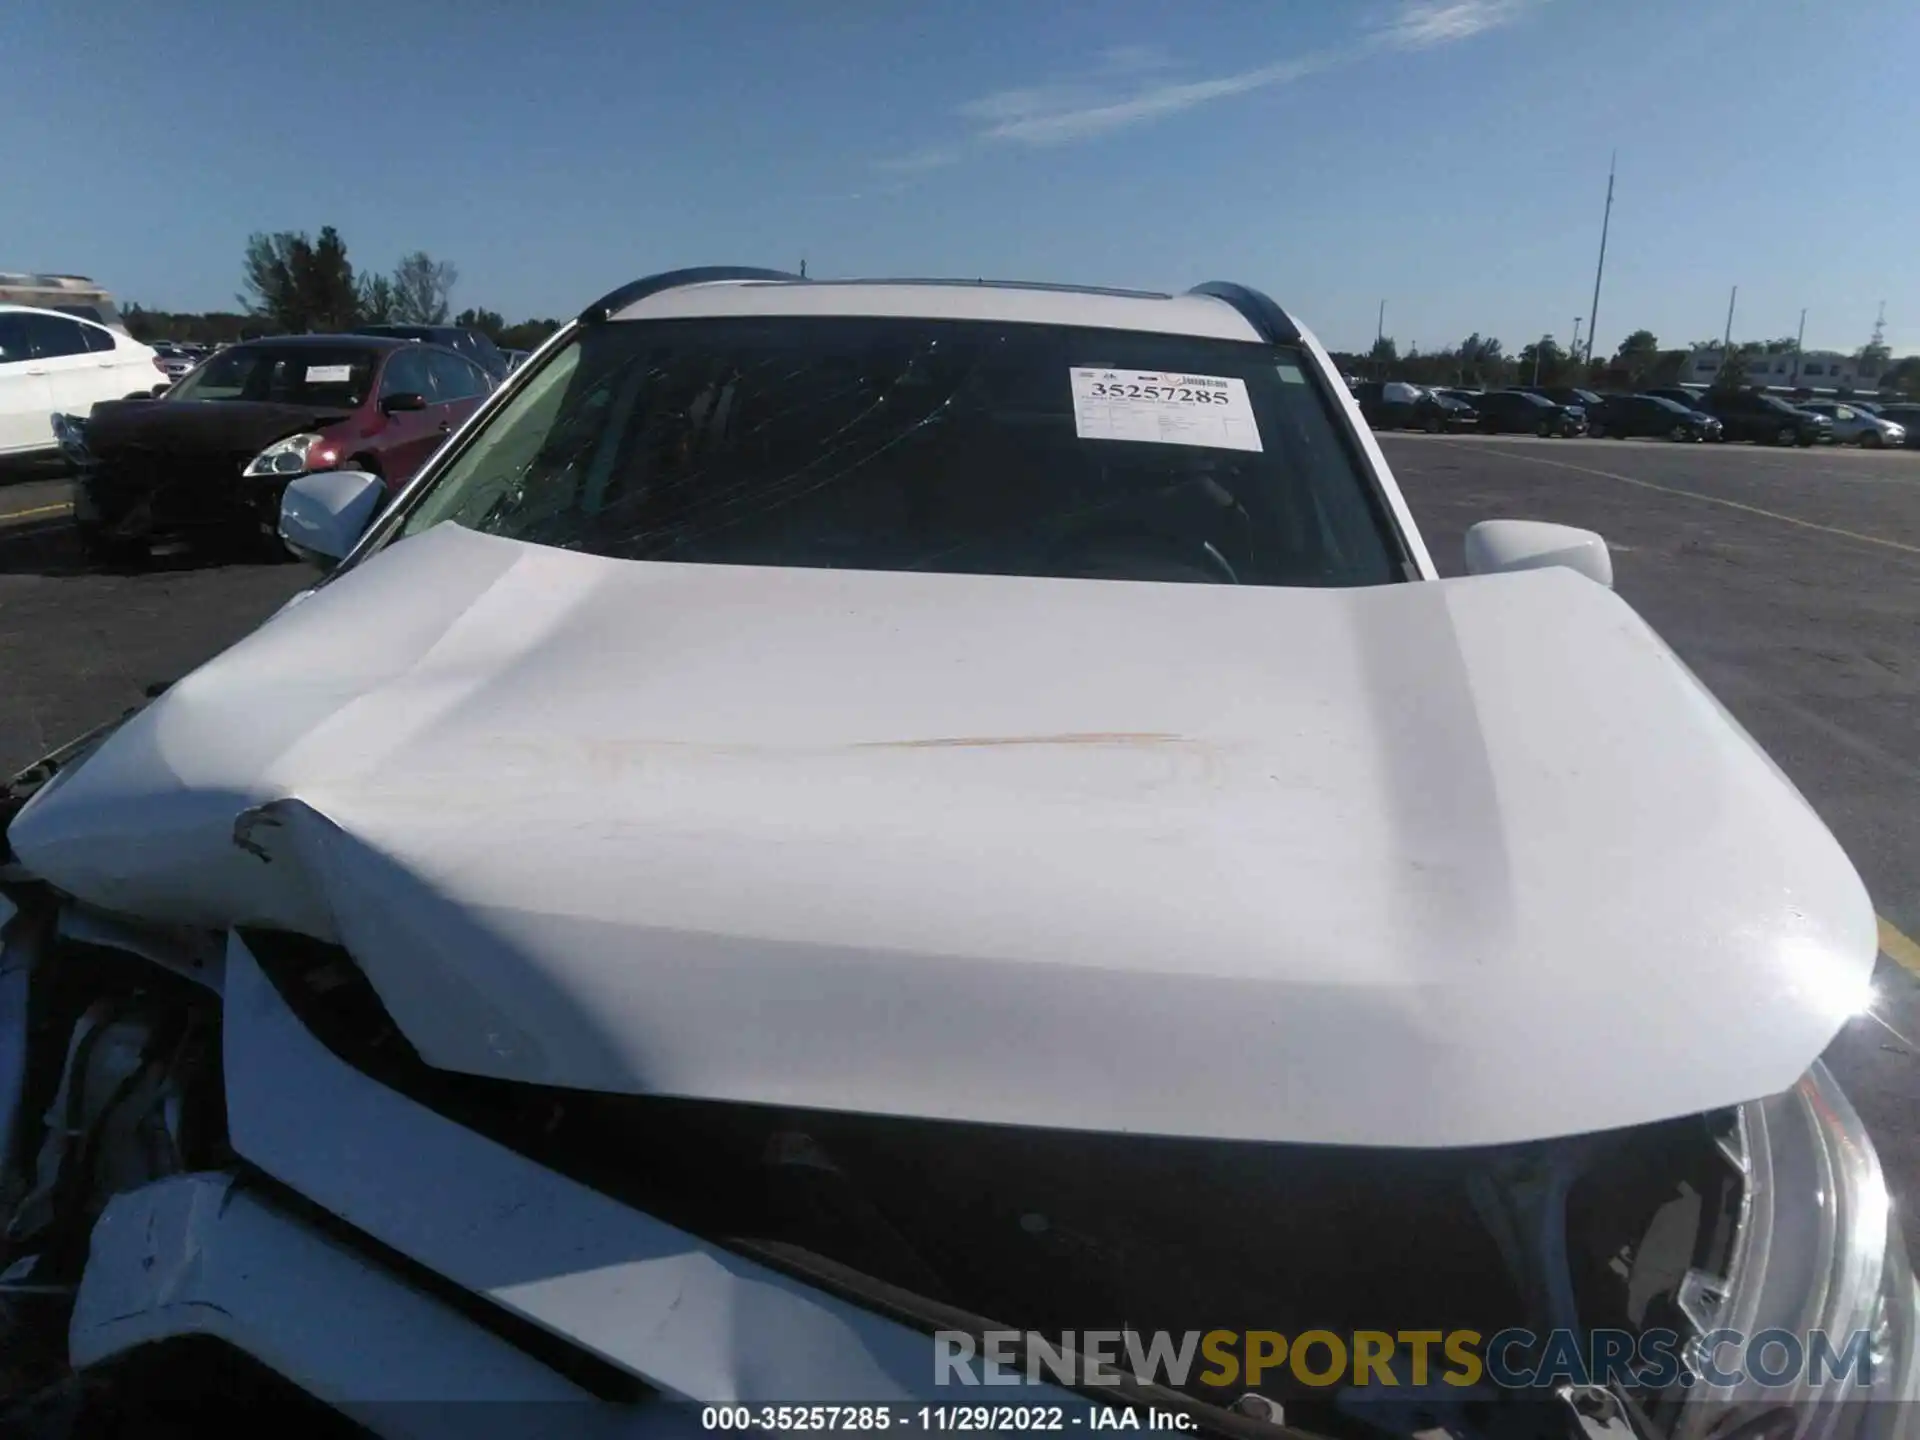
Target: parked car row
(1669,412)
(1396,405)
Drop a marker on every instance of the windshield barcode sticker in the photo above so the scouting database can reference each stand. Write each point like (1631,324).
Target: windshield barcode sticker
(1163,409)
(329,374)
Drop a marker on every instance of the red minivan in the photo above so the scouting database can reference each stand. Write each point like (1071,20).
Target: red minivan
(213,452)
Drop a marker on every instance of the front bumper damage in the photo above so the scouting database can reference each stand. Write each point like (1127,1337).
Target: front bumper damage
(333,1194)
(1815,1250)
(134,493)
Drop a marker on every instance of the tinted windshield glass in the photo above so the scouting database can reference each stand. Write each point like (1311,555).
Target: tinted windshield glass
(288,374)
(903,444)
(1674,405)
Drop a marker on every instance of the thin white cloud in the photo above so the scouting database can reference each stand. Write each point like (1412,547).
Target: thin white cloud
(1055,125)
(1423,24)
(1130,84)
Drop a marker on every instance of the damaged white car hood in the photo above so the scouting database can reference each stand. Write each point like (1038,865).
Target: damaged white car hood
(1429,864)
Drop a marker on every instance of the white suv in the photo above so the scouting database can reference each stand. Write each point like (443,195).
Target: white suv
(832,811)
(59,364)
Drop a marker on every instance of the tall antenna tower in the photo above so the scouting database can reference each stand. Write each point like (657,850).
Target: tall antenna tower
(1880,326)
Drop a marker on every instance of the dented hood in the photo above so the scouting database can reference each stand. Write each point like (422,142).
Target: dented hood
(1437,863)
(195,425)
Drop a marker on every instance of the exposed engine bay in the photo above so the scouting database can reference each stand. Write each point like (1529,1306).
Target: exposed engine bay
(1036,1230)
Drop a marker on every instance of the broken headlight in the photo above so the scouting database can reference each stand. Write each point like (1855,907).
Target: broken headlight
(1819,1262)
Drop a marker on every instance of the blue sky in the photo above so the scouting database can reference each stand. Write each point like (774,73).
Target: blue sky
(1448,156)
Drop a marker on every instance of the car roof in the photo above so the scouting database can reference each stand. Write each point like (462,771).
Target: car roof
(331,341)
(8,307)
(1202,316)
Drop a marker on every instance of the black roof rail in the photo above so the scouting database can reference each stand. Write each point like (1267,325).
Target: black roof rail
(612,303)
(1276,327)
(1051,286)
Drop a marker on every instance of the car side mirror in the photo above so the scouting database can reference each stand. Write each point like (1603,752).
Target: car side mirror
(404,400)
(324,514)
(1498,546)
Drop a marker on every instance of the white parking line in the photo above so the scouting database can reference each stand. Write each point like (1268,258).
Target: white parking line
(1709,499)
(9,515)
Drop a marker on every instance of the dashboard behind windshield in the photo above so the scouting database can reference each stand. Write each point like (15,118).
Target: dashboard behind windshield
(909,444)
(285,374)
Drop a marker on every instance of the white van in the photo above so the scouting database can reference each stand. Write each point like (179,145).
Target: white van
(56,362)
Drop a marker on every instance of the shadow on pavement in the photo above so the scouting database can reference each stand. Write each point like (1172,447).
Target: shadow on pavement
(33,469)
(52,549)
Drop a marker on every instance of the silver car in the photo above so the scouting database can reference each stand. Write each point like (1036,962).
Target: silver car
(1854,425)
(175,360)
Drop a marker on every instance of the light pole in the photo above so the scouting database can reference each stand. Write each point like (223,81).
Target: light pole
(1593,310)
(1798,340)
(1538,351)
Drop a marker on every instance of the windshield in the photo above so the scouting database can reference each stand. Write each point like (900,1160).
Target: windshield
(1665,403)
(909,444)
(286,374)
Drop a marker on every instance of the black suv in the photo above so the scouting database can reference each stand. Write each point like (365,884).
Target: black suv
(1524,413)
(1763,419)
(470,343)
(1625,415)
(1564,395)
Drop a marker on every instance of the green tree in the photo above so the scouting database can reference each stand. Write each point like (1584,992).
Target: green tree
(267,287)
(1482,361)
(1543,363)
(376,300)
(296,284)
(527,335)
(326,284)
(208,329)
(1384,351)
(489,323)
(422,288)
(1637,353)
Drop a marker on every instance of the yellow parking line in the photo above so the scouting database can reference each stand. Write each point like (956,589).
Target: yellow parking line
(1897,947)
(39,510)
(1711,500)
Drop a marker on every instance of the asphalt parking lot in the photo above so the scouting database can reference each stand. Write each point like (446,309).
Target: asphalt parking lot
(1788,580)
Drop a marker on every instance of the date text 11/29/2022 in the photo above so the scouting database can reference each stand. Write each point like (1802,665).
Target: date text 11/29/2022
(976,1419)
